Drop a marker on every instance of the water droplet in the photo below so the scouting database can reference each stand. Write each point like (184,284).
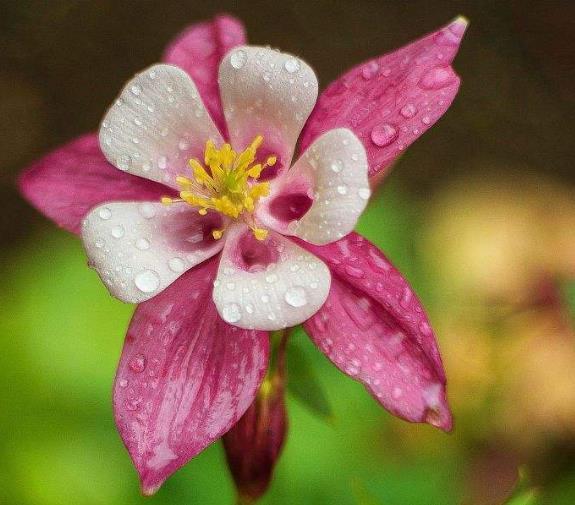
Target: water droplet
(162,162)
(238,59)
(176,265)
(265,298)
(147,281)
(342,190)
(249,309)
(408,110)
(364,193)
(383,134)
(336,166)
(152,75)
(370,70)
(137,121)
(291,65)
(271,278)
(437,78)
(138,363)
(105,213)
(136,89)
(296,296)
(118,231)
(147,210)
(123,383)
(123,162)
(426,120)
(396,393)
(231,313)
(142,244)
(183,145)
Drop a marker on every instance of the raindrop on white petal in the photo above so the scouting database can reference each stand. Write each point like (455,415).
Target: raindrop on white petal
(105,213)
(231,313)
(147,281)
(176,265)
(238,59)
(118,231)
(296,296)
(292,65)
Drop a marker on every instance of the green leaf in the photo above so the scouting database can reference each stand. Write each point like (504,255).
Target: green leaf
(524,493)
(303,383)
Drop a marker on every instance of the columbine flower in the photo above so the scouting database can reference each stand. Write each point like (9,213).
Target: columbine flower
(187,199)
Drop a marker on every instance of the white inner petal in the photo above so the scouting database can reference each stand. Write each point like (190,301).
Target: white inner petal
(156,125)
(265,92)
(268,285)
(139,248)
(333,175)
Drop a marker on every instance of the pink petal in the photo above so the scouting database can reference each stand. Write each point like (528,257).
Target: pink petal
(68,182)
(375,330)
(390,101)
(185,377)
(199,50)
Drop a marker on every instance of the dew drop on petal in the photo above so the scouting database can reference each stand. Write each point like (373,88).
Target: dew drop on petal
(147,210)
(105,213)
(142,244)
(383,134)
(162,162)
(369,70)
(118,231)
(296,296)
(337,166)
(408,110)
(124,162)
(138,363)
(238,59)
(176,265)
(147,281)
(231,313)
(342,190)
(437,78)
(292,65)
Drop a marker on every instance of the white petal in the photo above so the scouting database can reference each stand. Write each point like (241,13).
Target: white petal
(140,248)
(156,125)
(265,92)
(333,174)
(268,285)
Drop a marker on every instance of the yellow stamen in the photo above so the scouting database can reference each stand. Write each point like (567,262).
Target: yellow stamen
(226,183)
(260,233)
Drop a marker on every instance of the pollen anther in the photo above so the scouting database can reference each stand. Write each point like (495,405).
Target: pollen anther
(226,183)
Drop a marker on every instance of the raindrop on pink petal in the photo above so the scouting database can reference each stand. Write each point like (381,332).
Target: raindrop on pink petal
(138,363)
(437,78)
(384,134)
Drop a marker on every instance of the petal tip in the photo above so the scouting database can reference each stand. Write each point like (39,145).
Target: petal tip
(149,489)
(458,27)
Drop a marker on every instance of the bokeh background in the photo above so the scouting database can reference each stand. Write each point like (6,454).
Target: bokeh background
(479,214)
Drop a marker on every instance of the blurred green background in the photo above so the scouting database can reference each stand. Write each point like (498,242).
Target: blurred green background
(479,215)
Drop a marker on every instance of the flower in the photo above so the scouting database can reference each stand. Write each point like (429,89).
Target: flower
(243,244)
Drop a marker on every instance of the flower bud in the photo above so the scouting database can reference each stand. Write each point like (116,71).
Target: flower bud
(254,444)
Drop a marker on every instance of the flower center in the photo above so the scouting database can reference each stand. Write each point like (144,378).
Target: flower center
(226,183)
